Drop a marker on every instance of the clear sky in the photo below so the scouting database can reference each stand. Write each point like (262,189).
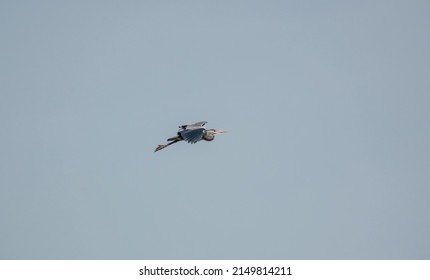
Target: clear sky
(326,104)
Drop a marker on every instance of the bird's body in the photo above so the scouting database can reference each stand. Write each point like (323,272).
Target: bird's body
(192,133)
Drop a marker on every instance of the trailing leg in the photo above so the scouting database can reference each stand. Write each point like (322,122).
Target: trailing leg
(160,147)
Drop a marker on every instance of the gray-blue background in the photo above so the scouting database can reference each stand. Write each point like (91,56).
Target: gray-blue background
(326,104)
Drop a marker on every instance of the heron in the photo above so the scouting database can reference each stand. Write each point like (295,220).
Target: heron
(192,133)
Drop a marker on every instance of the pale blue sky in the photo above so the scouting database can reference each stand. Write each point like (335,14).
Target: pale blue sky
(326,104)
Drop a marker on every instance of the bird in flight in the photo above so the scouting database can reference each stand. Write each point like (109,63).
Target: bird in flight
(192,133)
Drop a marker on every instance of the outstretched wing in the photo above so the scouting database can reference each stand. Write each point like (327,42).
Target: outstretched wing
(192,135)
(199,124)
(193,126)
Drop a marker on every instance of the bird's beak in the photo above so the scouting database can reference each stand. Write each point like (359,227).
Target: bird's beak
(221,131)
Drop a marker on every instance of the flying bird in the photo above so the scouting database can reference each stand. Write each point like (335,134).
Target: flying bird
(192,133)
